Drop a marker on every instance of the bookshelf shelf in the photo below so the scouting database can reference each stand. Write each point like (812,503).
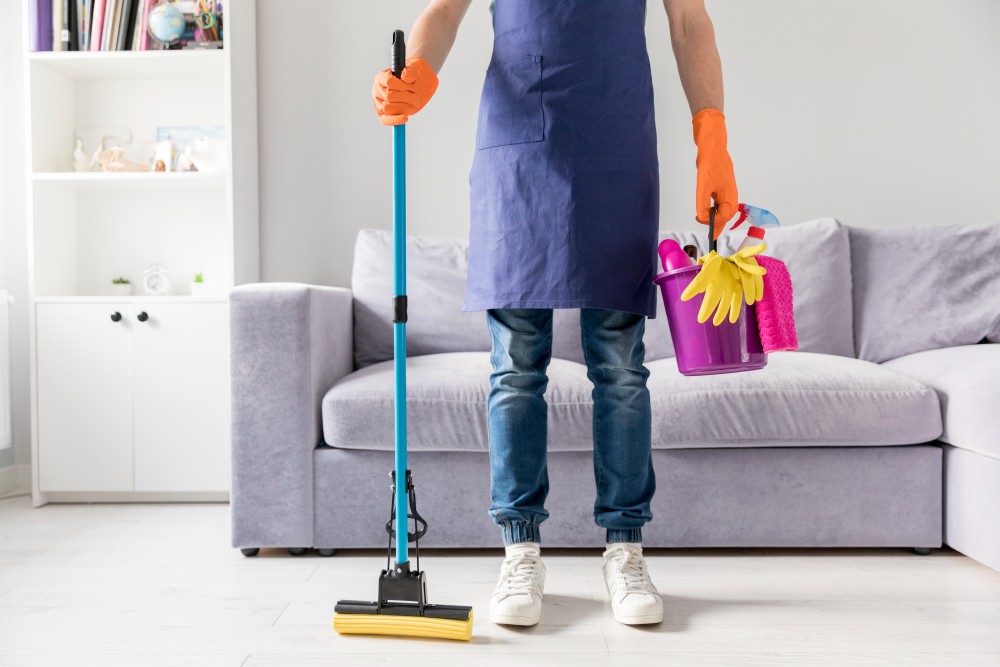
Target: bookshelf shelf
(131,65)
(97,181)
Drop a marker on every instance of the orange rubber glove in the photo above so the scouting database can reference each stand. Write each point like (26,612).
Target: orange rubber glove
(715,169)
(396,99)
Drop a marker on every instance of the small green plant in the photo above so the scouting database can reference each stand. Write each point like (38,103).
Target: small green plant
(198,278)
(120,280)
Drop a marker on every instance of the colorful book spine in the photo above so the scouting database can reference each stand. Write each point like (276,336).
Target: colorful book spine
(109,25)
(81,25)
(144,44)
(97,25)
(133,41)
(32,17)
(65,34)
(45,25)
(121,41)
(56,25)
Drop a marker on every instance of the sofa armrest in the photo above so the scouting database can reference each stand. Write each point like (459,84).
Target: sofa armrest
(289,343)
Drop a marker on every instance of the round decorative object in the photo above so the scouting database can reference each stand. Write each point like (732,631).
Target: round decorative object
(155,280)
(166,23)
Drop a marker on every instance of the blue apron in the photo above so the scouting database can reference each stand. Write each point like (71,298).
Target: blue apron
(565,181)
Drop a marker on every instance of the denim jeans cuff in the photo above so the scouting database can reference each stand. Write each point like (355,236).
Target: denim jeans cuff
(517,532)
(624,535)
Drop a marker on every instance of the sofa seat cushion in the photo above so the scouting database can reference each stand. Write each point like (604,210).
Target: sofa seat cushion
(967,380)
(799,399)
(446,405)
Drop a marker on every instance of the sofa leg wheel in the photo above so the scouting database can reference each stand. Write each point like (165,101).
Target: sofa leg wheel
(921,551)
(250,552)
(297,551)
(325,553)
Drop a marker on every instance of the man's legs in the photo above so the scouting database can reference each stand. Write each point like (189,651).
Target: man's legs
(623,466)
(517,420)
(517,424)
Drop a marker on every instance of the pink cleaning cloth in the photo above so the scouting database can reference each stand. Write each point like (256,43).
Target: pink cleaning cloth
(775,317)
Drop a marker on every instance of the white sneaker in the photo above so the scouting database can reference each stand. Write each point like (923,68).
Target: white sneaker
(634,600)
(517,599)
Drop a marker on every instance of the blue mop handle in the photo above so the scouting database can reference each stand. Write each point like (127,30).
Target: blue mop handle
(399,290)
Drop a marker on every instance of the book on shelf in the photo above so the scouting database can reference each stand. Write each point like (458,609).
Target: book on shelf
(56,25)
(110,24)
(119,25)
(96,24)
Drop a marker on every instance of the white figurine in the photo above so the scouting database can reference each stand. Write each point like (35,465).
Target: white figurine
(116,159)
(80,162)
(208,155)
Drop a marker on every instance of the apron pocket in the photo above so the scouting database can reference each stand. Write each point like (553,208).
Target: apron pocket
(510,111)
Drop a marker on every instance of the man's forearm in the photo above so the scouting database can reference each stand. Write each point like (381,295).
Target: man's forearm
(693,39)
(434,32)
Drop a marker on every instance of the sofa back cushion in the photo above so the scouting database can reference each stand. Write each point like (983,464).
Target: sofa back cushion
(919,288)
(818,256)
(436,270)
(435,285)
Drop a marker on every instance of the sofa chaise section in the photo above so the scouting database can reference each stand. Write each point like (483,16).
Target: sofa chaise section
(967,379)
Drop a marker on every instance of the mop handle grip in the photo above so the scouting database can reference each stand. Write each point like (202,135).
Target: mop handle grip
(398,53)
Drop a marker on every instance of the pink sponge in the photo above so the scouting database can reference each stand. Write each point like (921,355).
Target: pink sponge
(775,317)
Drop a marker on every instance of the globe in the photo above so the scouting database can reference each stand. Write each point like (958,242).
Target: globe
(166,23)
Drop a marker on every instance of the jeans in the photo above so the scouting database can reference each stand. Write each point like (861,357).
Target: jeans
(517,422)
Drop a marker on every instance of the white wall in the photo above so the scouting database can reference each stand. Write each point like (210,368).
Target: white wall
(13,232)
(878,113)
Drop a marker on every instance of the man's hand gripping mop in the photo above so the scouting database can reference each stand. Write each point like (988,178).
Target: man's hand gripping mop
(402,608)
(751,295)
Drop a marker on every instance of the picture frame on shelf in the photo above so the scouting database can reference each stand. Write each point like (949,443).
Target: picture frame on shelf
(195,145)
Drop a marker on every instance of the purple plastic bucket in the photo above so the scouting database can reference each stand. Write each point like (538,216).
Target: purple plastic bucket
(706,349)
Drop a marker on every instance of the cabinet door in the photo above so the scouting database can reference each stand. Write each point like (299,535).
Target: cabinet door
(181,396)
(84,397)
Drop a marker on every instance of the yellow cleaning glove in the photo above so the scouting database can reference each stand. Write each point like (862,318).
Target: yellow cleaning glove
(727,282)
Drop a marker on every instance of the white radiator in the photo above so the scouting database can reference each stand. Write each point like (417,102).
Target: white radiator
(5,432)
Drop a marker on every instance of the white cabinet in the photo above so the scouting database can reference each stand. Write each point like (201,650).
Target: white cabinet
(133,396)
(180,380)
(84,398)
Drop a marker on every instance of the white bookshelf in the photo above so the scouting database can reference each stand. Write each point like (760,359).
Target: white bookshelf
(87,227)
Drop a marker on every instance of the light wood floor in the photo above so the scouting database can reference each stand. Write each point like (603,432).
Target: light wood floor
(157,585)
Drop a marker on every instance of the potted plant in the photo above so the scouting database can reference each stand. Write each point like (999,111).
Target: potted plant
(121,286)
(198,287)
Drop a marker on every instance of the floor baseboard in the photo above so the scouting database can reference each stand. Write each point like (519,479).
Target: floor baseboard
(15,479)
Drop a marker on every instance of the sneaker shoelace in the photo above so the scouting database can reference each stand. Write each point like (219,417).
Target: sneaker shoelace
(519,575)
(630,568)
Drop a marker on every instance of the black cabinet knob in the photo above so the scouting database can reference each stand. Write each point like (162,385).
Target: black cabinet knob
(142,317)
(116,316)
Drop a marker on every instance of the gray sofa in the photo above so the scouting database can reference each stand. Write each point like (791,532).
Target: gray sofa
(883,430)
